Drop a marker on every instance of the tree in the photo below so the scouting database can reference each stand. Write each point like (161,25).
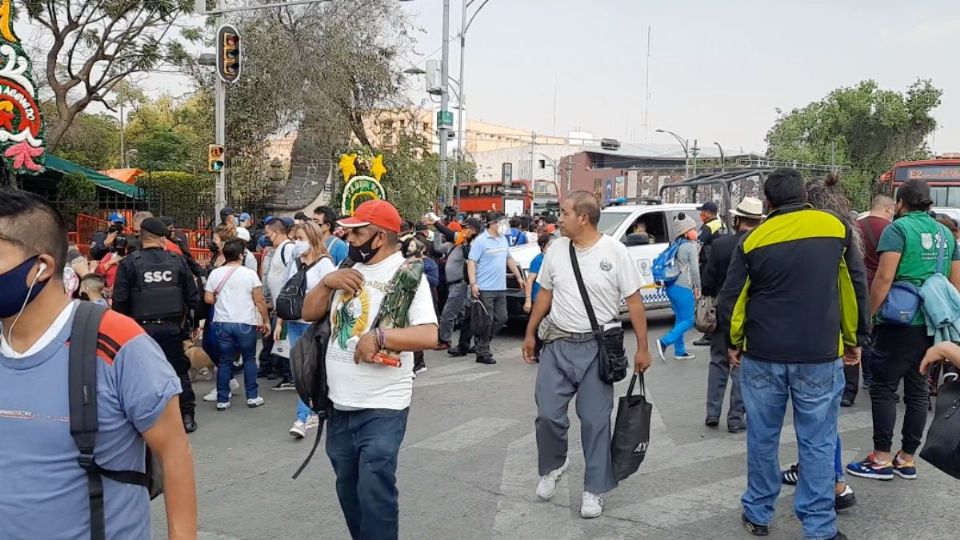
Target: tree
(92,140)
(97,44)
(864,129)
(171,134)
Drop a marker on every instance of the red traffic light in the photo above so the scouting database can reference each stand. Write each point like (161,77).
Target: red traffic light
(228,53)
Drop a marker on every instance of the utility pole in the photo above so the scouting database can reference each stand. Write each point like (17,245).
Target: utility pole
(461,98)
(722,165)
(533,181)
(696,152)
(220,136)
(444,116)
(123,150)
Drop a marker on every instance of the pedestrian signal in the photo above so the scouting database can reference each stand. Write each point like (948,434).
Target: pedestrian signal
(215,158)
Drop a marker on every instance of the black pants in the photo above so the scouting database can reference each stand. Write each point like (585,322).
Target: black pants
(271,363)
(170,338)
(897,353)
(852,373)
(496,304)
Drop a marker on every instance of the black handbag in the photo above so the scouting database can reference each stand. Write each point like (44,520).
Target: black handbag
(631,431)
(942,446)
(613,357)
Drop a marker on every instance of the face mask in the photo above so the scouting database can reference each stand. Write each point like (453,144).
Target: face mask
(364,252)
(300,247)
(691,235)
(503,227)
(16,294)
(214,248)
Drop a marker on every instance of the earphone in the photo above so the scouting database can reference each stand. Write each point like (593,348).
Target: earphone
(43,266)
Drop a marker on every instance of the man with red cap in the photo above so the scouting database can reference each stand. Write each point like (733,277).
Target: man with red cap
(371,397)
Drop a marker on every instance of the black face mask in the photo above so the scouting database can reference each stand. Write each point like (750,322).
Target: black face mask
(364,252)
(214,248)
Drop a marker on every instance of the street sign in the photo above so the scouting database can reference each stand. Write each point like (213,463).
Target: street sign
(513,192)
(506,173)
(445,119)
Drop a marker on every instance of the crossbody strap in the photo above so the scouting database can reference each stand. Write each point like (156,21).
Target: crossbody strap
(225,280)
(584,294)
(943,246)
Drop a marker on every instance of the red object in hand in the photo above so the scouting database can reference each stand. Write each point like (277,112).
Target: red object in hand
(387,360)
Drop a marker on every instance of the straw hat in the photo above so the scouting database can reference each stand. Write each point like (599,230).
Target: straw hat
(750,208)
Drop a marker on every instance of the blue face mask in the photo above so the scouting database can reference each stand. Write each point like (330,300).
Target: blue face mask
(16,293)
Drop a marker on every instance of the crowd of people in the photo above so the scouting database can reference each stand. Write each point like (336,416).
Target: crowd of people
(801,290)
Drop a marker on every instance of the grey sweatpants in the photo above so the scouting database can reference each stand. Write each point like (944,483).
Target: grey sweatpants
(568,367)
(719,372)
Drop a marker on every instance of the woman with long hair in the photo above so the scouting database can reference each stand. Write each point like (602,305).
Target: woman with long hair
(827,195)
(311,257)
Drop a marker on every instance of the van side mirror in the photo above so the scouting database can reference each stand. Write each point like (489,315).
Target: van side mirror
(636,239)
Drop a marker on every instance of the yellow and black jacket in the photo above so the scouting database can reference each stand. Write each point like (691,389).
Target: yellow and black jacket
(796,289)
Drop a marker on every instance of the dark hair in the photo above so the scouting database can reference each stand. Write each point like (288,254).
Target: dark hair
(329,215)
(531,227)
(301,216)
(515,222)
(34,225)
(490,217)
(826,194)
(277,225)
(550,219)
(233,249)
(948,222)
(915,195)
(543,240)
(784,186)
(586,204)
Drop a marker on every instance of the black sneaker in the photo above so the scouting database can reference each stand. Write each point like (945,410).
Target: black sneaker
(754,528)
(839,536)
(456,352)
(705,341)
(486,360)
(734,427)
(789,477)
(285,384)
(712,421)
(272,376)
(472,349)
(189,423)
(846,499)
(419,367)
(846,401)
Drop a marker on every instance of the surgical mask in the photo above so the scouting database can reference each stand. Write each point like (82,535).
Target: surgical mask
(364,252)
(300,247)
(503,227)
(16,294)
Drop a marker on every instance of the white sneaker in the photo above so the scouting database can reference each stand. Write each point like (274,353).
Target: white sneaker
(592,506)
(255,402)
(312,422)
(299,429)
(223,406)
(212,395)
(663,357)
(547,487)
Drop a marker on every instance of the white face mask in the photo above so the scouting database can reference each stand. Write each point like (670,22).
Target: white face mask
(503,227)
(300,247)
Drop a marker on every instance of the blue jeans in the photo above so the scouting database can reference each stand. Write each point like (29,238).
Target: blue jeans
(234,338)
(684,305)
(294,331)
(815,391)
(363,447)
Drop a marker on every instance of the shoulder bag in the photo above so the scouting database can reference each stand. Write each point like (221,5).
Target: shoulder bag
(613,357)
(903,301)
(942,446)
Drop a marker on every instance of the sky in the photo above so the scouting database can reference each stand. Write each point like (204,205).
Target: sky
(719,70)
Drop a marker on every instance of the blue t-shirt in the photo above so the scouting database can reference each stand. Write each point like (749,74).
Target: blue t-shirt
(338,249)
(491,256)
(535,265)
(517,237)
(43,490)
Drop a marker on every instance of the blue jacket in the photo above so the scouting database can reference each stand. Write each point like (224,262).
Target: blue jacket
(941,308)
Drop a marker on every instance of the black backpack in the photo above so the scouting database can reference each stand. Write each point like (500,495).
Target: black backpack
(84,423)
(289,303)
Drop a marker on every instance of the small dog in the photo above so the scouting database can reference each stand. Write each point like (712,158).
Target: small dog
(201,367)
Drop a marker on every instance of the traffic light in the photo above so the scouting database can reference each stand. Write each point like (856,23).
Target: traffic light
(215,158)
(228,53)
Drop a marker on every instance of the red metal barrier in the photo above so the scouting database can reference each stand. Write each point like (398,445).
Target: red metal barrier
(87,226)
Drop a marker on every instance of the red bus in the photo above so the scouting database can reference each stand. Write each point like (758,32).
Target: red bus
(514,200)
(943,176)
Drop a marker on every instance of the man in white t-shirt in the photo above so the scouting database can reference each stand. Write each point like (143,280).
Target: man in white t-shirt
(570,356)
(277,232)
(370,399)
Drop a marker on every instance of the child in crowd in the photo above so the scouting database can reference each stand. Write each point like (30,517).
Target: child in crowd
(92,287)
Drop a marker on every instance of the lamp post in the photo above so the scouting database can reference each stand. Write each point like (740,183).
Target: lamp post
(443,117)
(722,167)
(464,26)
(686,150)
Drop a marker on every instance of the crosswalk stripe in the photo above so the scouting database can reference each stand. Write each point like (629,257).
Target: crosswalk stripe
(687,506)
(466,435)
(466,377)
(451,369)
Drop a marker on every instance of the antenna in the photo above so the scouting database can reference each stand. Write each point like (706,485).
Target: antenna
(646,105)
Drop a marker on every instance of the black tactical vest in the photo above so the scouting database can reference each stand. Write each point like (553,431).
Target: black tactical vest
(158,294)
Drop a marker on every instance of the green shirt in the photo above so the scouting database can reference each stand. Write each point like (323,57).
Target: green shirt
(917,237)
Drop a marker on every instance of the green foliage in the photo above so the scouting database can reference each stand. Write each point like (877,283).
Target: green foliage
(92,140)
(170,134)
(183,196)
(76,194)
(863,129)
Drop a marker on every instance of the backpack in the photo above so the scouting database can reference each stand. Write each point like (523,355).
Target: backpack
(665,269)
(84,423)
(289,303)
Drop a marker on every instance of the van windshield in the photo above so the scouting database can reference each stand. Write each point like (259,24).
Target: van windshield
(610,221)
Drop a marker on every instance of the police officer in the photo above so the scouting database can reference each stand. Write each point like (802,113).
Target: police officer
(155,287)
(111,240)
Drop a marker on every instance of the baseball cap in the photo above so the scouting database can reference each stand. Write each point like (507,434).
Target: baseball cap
(374,212)
(287,221)
(227,211)
(117,217)
(244,217)
(709,206)
(267,219)
(154,226)
(243,234)
(474,224)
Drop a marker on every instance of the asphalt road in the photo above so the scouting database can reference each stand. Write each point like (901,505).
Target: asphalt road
(468,467)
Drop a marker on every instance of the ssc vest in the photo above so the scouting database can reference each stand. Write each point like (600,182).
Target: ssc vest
(158,294)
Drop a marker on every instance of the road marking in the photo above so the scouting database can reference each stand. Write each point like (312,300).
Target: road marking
(204,535)
(450,369)
(520,514)
(466,435)
(466,377)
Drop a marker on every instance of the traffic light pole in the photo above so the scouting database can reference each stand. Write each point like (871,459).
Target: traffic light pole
(221,140)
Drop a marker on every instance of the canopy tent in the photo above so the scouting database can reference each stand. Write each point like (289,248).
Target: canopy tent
(68,167)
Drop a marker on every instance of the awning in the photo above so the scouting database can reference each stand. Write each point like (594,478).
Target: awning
(68,167)
(127,176)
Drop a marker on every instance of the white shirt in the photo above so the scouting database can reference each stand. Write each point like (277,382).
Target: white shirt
(45,339)
(235,300)
(364,385)
(277,274)
(609,274)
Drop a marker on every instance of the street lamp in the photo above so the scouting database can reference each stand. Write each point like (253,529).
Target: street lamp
(464,26)
(722,169)
(686,150)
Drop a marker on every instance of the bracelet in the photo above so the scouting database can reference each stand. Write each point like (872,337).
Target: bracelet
(381,339)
